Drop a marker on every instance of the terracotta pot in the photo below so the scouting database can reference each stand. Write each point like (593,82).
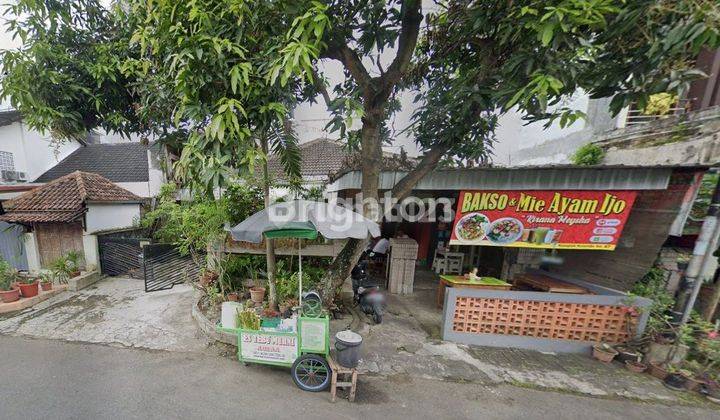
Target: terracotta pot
(693,384)
(605,355)
(257,294)
(74,274)
(233,297)
(657,370)
(7,296)
(46,285)
(627,356)
(29,290)
(637,367)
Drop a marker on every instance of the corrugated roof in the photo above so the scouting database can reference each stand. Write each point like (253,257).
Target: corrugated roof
(64,199)
(525,178)
(118,162)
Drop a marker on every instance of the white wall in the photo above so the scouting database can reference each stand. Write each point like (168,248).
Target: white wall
(141,189)
(32,151)
(111,216)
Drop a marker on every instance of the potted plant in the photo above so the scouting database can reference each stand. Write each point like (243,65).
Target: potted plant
(674,380)
(29,287)
(636,365)
(46,281)
(247,319)
(8,291)
(604,352)
(257,294)
(73,259)
(233,297)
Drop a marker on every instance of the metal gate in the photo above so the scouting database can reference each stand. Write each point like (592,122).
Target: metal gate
(166,267)
(121,252)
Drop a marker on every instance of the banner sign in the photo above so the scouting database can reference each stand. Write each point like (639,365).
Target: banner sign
(567,219)
(268,347)
(313,334)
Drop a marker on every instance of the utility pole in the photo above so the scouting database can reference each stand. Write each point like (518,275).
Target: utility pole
(705,245)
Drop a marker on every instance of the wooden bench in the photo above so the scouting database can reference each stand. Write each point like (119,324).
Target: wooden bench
(337,369)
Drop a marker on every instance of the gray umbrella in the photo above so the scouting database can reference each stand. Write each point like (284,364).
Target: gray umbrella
(299,218)
(304,220)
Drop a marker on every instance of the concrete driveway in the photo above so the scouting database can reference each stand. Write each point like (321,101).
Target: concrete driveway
(114,311)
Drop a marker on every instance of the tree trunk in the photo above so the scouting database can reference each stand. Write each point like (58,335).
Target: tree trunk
(269,243)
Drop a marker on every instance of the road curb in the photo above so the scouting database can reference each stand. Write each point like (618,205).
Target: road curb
(209,328)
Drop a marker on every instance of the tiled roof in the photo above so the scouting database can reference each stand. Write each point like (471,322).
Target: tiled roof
(320,157)
(118,162)
(64,199)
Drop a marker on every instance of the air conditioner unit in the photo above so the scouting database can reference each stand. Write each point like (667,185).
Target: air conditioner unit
(8,175)
(21,176)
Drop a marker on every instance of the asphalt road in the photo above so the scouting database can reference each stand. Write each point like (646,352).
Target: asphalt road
(43,379)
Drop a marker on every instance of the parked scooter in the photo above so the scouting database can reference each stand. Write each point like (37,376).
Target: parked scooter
(366,291)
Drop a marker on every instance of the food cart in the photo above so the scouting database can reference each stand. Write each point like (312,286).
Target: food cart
(301,342)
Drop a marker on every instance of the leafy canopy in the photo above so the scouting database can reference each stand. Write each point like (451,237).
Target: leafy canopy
(225,73)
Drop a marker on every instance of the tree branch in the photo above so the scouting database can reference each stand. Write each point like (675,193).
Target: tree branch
(350,59)
(410,18)
(426,165)
(320,86)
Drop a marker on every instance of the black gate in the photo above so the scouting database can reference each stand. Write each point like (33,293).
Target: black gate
(166,267)
(121,251)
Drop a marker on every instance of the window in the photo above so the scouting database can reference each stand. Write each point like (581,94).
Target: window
(6,161)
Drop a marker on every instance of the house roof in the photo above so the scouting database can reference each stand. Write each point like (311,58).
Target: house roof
(326,158)
(64,199)
(320,157)
(118,162)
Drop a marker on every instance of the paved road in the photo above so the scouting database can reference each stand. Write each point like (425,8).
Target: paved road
(43,379)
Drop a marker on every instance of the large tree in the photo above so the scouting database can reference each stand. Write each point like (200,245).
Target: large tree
(227,70)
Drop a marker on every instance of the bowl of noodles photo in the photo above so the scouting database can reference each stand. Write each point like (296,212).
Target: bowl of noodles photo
(505,230)
(471,227)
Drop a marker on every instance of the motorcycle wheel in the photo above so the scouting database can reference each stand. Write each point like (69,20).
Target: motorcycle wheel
(377,313)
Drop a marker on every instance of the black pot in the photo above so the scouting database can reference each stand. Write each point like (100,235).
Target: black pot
(675,381)
(625,356)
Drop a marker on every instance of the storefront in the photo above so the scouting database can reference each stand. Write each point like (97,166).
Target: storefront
(594,230)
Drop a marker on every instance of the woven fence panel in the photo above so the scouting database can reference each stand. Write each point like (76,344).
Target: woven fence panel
(557,320)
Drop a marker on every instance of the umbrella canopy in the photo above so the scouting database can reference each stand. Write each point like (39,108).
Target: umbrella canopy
(304,219)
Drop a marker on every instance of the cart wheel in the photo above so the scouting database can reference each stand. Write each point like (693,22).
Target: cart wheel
(311,372)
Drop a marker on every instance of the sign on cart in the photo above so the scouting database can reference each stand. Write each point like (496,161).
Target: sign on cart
(268,347)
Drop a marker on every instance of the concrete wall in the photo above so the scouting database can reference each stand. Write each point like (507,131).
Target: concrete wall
(101,217)
(33,152)
(645,232)
(692,138)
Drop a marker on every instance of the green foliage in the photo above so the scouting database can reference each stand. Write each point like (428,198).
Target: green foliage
(653,286)
(588,155)
(287,281)
(7,275)
(190,226)
(313,194)
(247,319)
(64,266)
(243,201)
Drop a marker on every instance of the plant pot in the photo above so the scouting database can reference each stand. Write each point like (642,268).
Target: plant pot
(46,285)
(257,294)
(628,356)
(74,274)
(635,366)
(657,370)
(675,381)
(7,296)
(233,297)
(693,384)
(29,290)
(603,354)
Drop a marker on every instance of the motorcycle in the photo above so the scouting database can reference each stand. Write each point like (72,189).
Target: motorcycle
(366,291)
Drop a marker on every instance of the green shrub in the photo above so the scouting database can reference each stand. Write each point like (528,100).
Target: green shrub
(653,287)
(7,275)
(587,155)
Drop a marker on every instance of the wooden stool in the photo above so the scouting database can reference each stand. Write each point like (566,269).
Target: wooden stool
(337,369)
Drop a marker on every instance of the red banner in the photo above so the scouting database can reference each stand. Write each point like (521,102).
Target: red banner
(565,219)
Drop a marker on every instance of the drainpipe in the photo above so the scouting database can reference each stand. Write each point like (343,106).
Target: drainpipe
(705,245)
